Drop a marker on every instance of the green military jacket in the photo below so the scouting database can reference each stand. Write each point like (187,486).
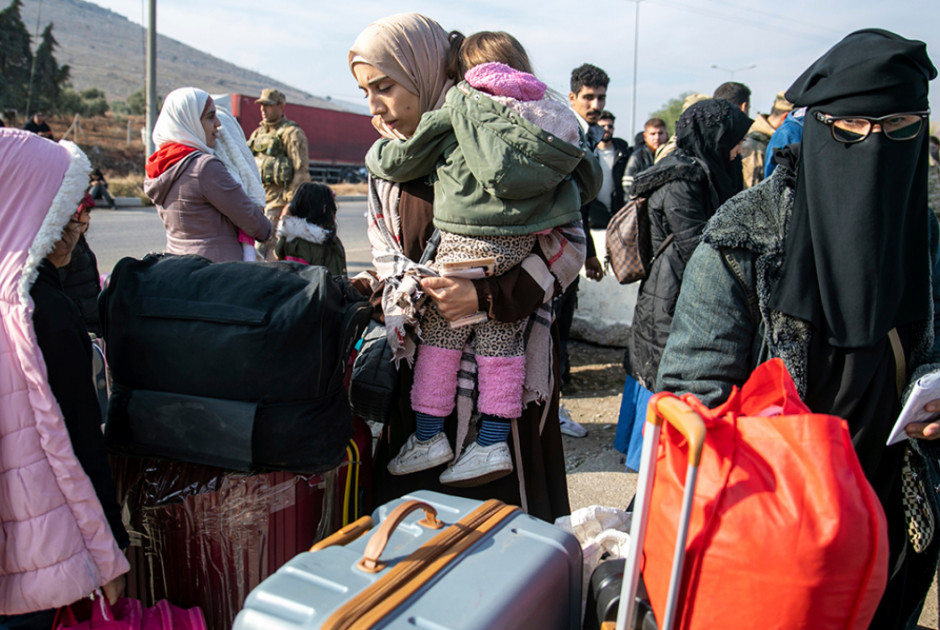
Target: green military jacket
(494,172)
(281,153)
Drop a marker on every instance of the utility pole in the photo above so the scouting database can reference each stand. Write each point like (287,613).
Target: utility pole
(151,73)
(636,47)
(32,67)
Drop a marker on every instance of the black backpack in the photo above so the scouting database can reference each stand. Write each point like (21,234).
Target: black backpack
(236,365)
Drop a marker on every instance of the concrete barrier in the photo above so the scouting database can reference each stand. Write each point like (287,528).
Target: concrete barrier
(605,308)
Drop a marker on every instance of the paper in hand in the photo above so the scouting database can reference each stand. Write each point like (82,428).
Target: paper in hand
(926,388)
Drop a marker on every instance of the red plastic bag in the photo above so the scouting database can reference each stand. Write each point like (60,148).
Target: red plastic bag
(785,530)
(127,614)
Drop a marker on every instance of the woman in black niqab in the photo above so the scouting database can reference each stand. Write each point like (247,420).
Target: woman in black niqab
(857,254)
(857,267)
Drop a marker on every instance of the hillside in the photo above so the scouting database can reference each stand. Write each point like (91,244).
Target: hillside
(107,51)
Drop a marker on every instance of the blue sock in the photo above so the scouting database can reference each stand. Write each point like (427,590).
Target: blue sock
(493,429)
(428,426)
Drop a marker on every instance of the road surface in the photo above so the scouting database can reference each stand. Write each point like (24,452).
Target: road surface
(115,234)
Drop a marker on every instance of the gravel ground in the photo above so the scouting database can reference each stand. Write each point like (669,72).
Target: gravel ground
(596,474)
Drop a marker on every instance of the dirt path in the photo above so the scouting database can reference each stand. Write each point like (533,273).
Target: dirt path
(596,474)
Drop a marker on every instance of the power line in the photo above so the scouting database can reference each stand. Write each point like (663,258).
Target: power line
(803,24)
(743,21)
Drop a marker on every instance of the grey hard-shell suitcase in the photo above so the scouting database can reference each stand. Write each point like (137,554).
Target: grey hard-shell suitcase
(434,561)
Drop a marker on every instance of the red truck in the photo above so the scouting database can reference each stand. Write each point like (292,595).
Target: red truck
(337,140)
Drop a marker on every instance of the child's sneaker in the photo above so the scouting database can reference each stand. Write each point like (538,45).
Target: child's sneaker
(478,465)
(416,455)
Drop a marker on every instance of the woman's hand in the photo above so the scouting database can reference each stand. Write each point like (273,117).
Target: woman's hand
(926,430)
(455,297)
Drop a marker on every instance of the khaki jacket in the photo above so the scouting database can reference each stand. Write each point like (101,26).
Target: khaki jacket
(754,149)
(295,142)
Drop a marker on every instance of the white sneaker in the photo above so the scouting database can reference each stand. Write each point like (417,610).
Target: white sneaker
(416,455)
(569,426)
(479,465)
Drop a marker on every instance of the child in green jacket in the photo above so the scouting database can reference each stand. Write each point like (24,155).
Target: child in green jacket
(507,164)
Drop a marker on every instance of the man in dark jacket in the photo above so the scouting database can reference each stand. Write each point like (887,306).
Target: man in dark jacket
(654,135)
(38,125)
(613,154)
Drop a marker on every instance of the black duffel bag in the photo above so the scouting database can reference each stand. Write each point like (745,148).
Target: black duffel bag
(236,365)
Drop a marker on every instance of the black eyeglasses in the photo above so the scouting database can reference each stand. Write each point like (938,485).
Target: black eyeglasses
(852,129)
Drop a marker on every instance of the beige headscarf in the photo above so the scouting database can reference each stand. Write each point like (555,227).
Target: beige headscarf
(412,50)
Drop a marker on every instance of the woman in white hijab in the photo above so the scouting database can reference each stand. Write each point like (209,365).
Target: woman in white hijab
(202,205)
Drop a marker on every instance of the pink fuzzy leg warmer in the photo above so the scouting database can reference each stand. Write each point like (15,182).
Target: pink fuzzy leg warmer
(434,391)
(500,381)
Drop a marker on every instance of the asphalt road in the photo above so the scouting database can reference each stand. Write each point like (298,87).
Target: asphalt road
(115,234)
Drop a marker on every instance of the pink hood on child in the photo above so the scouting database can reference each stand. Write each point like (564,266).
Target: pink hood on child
(55,543)
(526,95)
(498,79)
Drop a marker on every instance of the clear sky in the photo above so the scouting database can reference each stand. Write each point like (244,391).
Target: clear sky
(304,42)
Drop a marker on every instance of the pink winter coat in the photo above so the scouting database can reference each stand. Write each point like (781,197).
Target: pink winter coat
(203,207)
(55,543)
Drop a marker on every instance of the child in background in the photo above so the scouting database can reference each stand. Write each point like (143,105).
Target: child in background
(307,233)
(98,188)
(508,165)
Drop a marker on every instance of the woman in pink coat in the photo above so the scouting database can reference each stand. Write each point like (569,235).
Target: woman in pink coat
(59,523)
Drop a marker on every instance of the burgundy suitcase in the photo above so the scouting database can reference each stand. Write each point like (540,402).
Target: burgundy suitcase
(204,536)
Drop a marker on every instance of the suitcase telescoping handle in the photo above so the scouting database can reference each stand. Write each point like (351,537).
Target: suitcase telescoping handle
(669,408)
(370,562)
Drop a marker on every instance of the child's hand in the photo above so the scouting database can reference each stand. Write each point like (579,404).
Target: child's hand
(454,297)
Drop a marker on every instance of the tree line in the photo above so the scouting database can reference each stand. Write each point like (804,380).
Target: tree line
(31,82)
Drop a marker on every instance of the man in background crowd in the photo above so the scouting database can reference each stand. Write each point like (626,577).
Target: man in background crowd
(654,135)
(735,93)
(613,154)
(789,132)
(738,95)
(37,124)
(754,149)
(587,98)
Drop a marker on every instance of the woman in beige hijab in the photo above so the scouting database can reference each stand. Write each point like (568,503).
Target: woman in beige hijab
(404,65)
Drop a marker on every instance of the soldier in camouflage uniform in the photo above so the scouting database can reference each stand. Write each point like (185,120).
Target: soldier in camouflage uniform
(280,149)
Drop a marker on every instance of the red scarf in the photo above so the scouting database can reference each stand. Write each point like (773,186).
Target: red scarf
(165,157)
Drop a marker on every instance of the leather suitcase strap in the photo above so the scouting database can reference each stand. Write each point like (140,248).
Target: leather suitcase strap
(382,597)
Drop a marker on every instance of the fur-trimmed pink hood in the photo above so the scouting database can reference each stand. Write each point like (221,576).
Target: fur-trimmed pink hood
(55,543)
